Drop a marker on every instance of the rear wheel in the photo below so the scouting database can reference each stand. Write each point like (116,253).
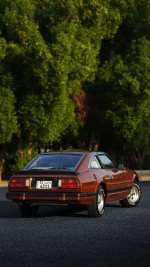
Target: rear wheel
(96,209)
(27,210)
(133,198)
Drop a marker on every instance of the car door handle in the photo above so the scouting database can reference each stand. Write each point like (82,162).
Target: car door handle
(94,175)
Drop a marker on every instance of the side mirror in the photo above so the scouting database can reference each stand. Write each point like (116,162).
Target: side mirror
(120,166)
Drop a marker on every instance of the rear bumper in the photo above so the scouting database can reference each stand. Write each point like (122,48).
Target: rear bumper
(51,197)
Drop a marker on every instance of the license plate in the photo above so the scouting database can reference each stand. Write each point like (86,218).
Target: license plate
(44,184)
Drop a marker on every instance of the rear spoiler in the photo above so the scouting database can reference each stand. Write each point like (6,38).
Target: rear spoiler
(45,171)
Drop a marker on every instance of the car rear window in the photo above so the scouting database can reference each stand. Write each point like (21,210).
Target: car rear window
(55,161)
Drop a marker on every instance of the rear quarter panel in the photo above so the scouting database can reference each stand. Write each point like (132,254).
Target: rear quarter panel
(119,184)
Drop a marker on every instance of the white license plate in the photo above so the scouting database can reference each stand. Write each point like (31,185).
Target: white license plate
(44,184)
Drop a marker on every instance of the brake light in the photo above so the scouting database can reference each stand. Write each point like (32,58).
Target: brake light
(70,183)
(17,183)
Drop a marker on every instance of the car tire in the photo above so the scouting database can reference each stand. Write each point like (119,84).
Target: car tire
(96,209)
(27,210)
(133,198)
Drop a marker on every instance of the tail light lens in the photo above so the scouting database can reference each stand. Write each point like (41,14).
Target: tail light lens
(69,183)
(17,183)
(66,183)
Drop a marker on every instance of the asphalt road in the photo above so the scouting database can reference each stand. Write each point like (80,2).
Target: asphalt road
(57,237)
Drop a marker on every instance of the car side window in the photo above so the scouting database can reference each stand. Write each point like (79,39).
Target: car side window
(106,162)
(94,164)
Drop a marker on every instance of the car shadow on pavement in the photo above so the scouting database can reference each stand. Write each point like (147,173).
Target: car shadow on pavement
(9,209)
(61,210)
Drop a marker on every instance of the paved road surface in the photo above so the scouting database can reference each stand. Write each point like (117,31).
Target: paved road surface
(57,237)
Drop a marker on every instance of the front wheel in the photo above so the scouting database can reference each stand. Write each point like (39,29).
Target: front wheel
(133,198)
(96,209)
(27,210)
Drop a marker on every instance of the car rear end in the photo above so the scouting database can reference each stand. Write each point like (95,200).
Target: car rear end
(46,187)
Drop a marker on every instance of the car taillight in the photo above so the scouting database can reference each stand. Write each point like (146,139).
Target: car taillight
(69,183)
(17,183)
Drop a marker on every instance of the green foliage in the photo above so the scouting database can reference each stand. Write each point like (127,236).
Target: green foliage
(8,119)
(52,50)
(47,119)
(22,160)
(131,93)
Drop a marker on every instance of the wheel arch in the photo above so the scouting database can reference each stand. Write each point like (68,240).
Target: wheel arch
(136,179)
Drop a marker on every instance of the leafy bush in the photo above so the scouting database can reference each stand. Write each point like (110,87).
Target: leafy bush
(22,159)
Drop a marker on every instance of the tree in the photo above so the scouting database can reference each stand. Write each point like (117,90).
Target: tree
(129,110)
(119,96)
(8,118)
(52,50)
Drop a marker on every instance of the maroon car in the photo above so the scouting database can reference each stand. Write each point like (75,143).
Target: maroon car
(91,179)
